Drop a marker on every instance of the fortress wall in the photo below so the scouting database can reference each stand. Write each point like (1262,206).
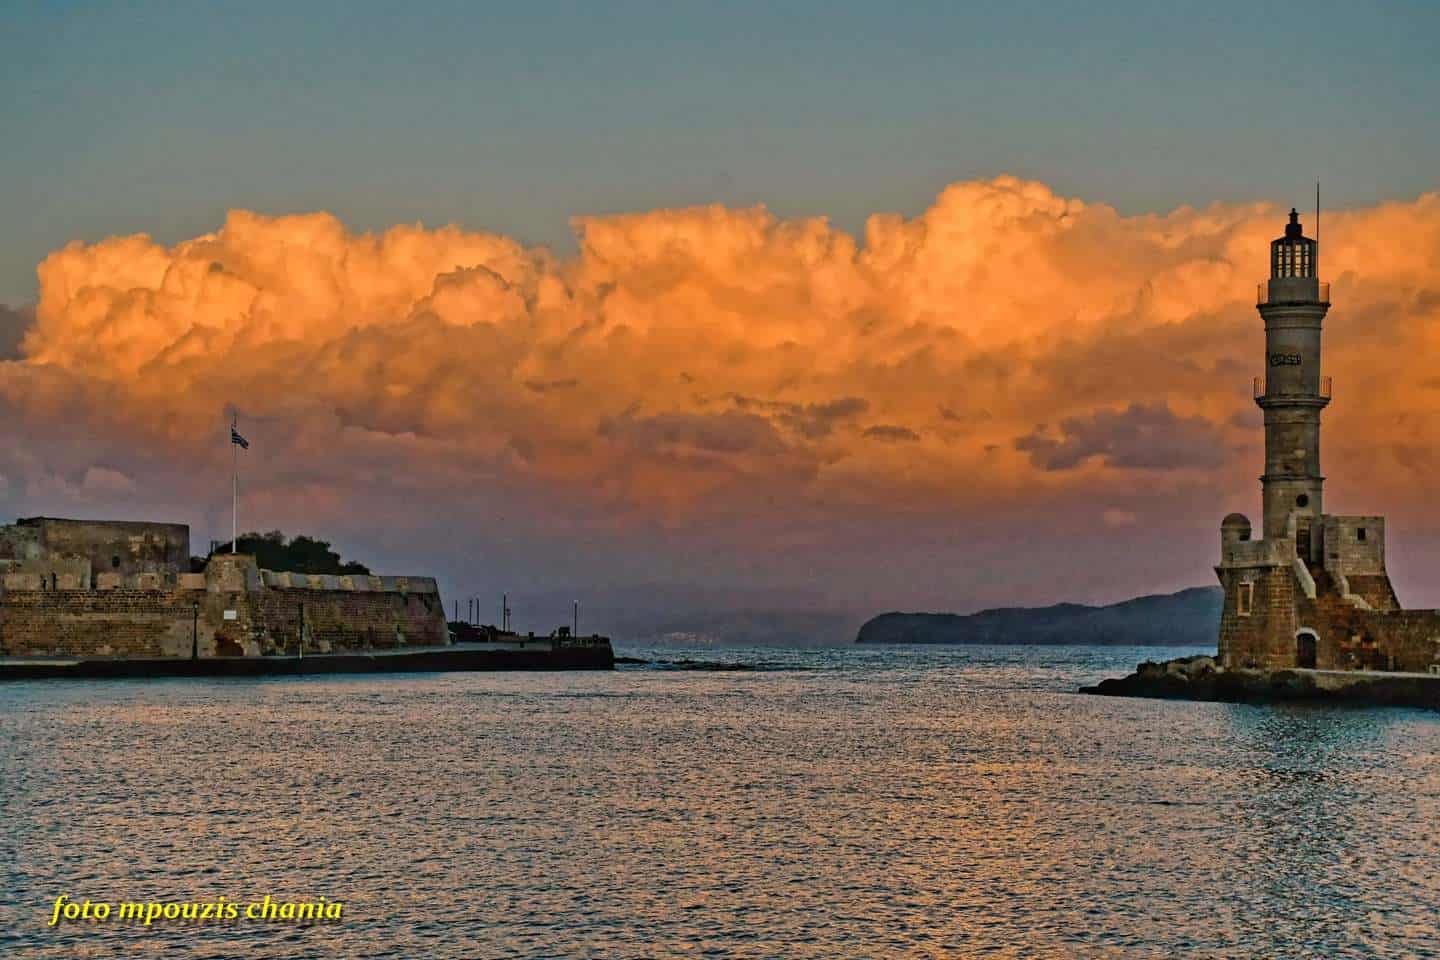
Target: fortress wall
(96,623)
(121,546)
(81,588)
(57,573)
(1337,625)
(1352,638)
(348,582)
(124,620)
(1407,640)
(348,619)
(55,579)
(1247,641)
(19,546)
(77,554)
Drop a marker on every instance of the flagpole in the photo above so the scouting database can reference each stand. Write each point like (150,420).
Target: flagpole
(234,483)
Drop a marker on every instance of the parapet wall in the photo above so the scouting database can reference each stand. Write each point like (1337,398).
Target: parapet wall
(101,581)
(1257,553)
(233,609)
(348,582)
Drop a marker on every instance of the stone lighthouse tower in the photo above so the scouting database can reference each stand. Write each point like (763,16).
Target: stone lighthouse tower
(1313,592)
(1292,392)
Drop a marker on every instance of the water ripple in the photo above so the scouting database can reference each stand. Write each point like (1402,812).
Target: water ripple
(926,802)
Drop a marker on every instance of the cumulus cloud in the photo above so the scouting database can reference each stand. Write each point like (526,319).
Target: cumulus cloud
(106,482)
(721,434)
(1140,437)
(721,376)
(891,433)
(810,420)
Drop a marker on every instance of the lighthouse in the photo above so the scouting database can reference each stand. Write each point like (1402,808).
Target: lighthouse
(1312,591)
(1293,390)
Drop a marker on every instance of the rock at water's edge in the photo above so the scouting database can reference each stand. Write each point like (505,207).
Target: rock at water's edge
(1199,678)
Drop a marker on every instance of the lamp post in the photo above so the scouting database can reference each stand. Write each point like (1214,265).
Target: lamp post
(195,630)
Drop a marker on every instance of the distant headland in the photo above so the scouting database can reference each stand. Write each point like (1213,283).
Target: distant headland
(1187,618)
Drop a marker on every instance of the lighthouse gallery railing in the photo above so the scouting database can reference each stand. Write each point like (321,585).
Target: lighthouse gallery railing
(1262,294)
(1262,390)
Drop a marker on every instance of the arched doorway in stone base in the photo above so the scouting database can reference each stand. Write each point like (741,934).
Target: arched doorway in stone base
(1307,646)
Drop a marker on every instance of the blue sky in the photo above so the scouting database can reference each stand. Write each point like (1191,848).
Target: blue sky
(420,436)
(514,117)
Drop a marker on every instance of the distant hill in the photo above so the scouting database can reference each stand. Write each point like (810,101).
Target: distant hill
(1188,618)
(737,628)
(670,614)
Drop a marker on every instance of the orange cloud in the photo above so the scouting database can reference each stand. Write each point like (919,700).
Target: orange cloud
(710,368)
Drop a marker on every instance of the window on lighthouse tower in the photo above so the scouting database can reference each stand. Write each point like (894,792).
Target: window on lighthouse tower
(1244,599)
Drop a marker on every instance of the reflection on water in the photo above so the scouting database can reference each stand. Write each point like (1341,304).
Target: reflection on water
(872,802)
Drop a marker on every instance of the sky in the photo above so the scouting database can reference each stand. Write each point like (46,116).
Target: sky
(826,304)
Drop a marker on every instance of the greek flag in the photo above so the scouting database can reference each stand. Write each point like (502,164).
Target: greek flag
(238,440)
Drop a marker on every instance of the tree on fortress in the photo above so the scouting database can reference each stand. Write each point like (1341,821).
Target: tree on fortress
(300,554)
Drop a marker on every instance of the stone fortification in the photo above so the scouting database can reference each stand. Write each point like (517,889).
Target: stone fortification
(1328,605)
(77,554)
(52,605)
(1313,591)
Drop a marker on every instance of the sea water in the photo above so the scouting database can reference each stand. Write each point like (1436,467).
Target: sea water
(846,802)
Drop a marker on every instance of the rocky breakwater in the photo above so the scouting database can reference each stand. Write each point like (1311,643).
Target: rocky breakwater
(1200,678)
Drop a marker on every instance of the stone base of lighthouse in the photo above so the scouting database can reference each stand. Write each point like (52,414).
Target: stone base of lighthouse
(1319,598)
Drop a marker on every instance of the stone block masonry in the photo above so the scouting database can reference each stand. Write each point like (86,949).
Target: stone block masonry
(1405,640)
(1271,621)
(83,550)
(1259,607)
(336,620)
(93,623)
(231,610)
